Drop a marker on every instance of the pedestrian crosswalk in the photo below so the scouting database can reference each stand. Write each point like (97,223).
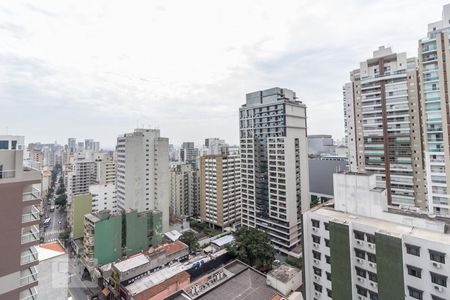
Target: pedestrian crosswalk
(53,235)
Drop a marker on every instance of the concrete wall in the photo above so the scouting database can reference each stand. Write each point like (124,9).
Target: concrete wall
(81,205)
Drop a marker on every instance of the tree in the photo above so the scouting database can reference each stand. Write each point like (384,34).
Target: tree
(61,200)
(253,247)
(295,262)
(64,237)
(61,190)
(189,239)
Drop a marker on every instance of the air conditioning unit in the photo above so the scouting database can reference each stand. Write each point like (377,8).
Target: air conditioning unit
(373,284)
(372,265)
(360,279)
(316,261)
(315,245)
(315,229)
(359,260)
(317,293)
(371,245)
(359,242)
(316,277)
(438,288)
(437,265)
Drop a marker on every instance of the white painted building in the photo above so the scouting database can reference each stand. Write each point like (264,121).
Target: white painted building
(103,197)
(349,123)
(358,247)
(274,166)
(143,172)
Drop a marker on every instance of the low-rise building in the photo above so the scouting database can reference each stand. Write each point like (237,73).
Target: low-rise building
(285,279)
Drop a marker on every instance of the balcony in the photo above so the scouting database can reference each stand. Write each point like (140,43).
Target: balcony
(35,194)
(28,256)
(31,216)
(4,174)
(29,235)
(29,294)
(28,276)
(31,165)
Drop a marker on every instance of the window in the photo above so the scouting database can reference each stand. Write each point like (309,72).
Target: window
(316,255)
(361,291)
(4,145)
(327,259)
(318,287)
(437,256)
(413,271)
(327,226)
(360,272)
(316,239)
(315,223)
(358,235)
(360,253)
(13,145)
(317,271)
(327,243)
(373,295)
(370,238)
(438,279)
(328,275)
(415,293)
(413,250)
(371,257)
(329,293)
(433,297)
(372,276)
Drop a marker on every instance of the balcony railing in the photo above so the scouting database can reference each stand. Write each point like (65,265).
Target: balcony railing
(30,235)
(28,256)
(33,195)
(28,276)
(7,174)
(29,165)
(33,215)
(30,294)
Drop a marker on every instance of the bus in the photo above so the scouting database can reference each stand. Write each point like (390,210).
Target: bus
(47,222)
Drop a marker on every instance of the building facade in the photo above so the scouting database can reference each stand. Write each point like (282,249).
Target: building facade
(434,64)
(19,220)
(103,197)
(143,172)
(387,126)
(274,166)
(184,190)
(220,189)
(358,247)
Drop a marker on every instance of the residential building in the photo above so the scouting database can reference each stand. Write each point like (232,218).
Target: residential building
(19,220)
(359,247)
(387,127)
(220,189)
(321,172)
(106,169)
(82,174)
(184,190)
(108,237)
(350,125)
(274,166)
(143,172)
(434,64)
(72,144)
(103,197)
(213,146)
(320,144)
(80,205)
(188,153)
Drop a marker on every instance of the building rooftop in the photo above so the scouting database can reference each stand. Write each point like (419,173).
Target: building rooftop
(49,250)
(169,248)
(131,263)
(222,241)
(284,273)
(173,235)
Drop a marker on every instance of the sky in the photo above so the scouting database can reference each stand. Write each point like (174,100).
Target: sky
(98,69)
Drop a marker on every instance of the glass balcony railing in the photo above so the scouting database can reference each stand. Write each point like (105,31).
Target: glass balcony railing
(33,195)
(7,174)
(28,276)
(31,216)
(29,165)
(30,235)
(29,294)
(28,256)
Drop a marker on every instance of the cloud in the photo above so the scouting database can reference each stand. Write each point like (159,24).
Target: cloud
(95,69)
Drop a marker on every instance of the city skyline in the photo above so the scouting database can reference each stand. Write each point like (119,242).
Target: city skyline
(99,77)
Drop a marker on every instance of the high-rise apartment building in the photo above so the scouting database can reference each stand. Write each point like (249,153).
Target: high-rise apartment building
(213,146)
(72,144)
(349,124)
(106,169)
(358,247)
(143,172)
(19,221)
(80,177)
(220,189)
(383,98)
(274,166)
(188,153)
(103,197)
(434,65)
(184,190)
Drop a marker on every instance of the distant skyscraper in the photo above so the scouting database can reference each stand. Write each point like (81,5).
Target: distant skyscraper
(274,166)
(19,221)
(184,190)
(213,146)
(188,153)
(143,172)
(89,144)
(434,68)
(72,144)
(387,127)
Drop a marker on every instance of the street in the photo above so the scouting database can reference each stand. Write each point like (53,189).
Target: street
(51,233)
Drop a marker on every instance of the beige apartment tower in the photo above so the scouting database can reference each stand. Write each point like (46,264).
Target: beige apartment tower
(19,220)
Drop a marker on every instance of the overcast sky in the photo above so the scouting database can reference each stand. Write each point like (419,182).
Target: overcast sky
(97,69)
